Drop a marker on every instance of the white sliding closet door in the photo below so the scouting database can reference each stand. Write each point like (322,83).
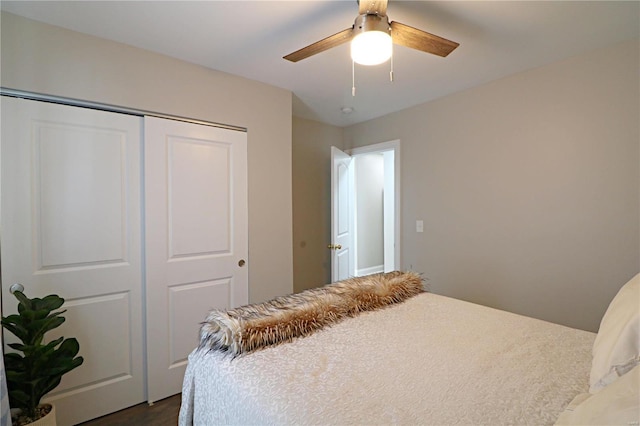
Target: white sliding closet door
(70,219)
(196,238)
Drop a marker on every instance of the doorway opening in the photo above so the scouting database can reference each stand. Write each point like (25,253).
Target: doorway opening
(370,203)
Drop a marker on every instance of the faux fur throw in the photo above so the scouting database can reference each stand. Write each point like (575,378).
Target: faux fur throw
(251,327)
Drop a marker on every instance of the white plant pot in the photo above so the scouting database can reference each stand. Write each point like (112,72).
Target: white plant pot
(48,420)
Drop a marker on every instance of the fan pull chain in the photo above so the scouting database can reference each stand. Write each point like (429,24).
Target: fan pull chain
(353,78)
(391,72)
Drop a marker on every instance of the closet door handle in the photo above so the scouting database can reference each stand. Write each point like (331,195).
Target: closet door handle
(16,287)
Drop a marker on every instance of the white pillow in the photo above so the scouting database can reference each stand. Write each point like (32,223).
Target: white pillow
(617,404)
(616,349)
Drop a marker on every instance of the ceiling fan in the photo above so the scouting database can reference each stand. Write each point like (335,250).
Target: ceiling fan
(372,22)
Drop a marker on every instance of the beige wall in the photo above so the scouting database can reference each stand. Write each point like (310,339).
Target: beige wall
(529,187)
(46,59)
(311,201)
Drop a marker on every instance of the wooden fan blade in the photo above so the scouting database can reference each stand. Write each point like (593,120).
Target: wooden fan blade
(320,46)
(372,7)
(414,38)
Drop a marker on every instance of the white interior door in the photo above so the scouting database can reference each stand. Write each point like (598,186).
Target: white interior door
(342,217)
(196,238)
(70,212)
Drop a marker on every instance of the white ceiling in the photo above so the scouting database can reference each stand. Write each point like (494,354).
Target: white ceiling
(249,38)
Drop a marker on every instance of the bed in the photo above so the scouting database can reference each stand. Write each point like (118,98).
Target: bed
(427,359)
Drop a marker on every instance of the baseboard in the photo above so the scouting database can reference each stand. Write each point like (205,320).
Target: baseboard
(368,271)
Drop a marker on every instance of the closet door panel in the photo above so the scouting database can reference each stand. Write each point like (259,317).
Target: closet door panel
(187,302)
(199,190)
(65,186)
(196,235)
(70,218)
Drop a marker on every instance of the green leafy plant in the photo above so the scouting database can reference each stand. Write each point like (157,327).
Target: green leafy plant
(40,368)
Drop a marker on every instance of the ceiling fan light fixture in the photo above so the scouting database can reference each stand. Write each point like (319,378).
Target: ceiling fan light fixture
(372,44)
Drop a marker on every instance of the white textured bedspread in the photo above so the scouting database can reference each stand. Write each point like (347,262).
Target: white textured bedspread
(430,360)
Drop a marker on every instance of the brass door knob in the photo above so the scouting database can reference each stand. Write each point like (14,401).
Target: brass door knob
(334,246)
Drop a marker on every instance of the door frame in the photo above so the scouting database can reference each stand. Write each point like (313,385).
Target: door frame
(394,146)
(390,247)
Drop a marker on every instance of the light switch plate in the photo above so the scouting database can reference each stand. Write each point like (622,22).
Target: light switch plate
(419,226)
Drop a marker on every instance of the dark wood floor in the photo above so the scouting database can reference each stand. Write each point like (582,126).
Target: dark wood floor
(161,413)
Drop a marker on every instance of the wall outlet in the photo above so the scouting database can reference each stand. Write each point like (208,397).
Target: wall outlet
(419,226)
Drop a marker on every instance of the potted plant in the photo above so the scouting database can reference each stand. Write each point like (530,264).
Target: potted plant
(40,367)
